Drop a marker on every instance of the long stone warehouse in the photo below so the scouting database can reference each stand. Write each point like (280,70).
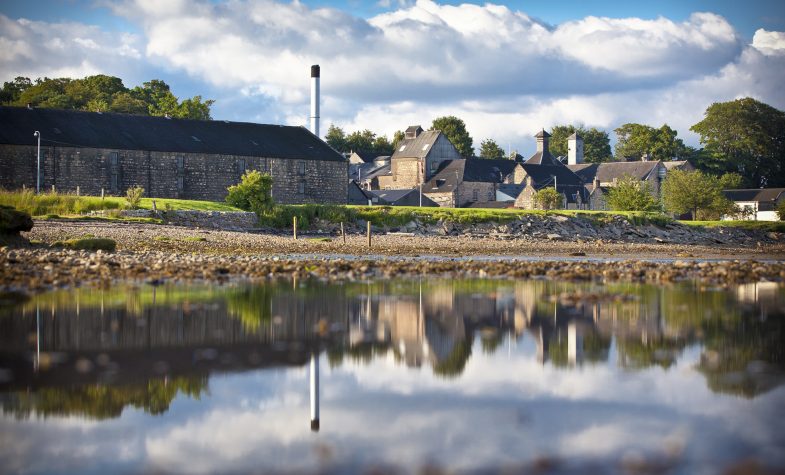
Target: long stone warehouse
(169,158)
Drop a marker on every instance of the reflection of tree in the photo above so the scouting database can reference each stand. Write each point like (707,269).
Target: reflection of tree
(453,365)
(637,354)
(100,401)
(364,353)
(251,305)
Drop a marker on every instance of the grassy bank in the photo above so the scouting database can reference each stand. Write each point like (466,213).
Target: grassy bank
(765,226)
(67,205)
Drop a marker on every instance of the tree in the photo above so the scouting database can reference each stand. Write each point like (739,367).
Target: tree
(631,194)
(635,140)
(358,141)
(731,181)
(336,138)
(490,149)
(696,193)
(398,137)
(747,137)
(596,143)
(781,210)
(253,193)
(455,130)
(12,90)
(548,198)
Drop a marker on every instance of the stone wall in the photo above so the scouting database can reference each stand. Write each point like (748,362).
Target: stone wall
(473,191)
(227,220)
(444,200)
(168,174)
(406,173)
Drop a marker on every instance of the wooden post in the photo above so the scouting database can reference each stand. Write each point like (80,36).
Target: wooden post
(53,189)
(155,208)
(102,194)
(369,234)
(294,227)
(77,190)
(343,233)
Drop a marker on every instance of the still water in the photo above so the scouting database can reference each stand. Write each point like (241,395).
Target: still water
(457,376)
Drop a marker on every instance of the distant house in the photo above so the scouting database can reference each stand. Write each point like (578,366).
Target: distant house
(362,164)
(458,183)
(405,197)
(684,165)
(169,158)
(356,195)
(760,203)
(417,157)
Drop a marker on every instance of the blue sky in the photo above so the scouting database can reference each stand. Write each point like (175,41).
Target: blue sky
(506,68)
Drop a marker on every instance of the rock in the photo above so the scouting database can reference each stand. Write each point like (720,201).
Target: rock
(13,221)
(553,236)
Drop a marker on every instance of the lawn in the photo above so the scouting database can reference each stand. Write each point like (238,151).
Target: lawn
(776,226)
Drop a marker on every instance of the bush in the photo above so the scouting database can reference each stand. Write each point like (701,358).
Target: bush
(631,194)
(133,196)
(89,244)
(548,198)
(696,193)
(781,210)
(13,221)
(253,193)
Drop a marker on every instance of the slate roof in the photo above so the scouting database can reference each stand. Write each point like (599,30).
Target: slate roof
(543,175)
(675,164)
(417,147)
(606,172)
(407,197)
(447,177)
(542,158)
(356,195)
(487,170)
(509,189)
(366,157)
(159,134)
(761,195)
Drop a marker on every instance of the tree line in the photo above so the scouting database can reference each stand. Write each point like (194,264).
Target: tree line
(102,93)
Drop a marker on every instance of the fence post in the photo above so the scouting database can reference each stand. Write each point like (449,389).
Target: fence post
(294,226)
(369,234)
(102,194)
(53,189)
(343,233)
(77,190)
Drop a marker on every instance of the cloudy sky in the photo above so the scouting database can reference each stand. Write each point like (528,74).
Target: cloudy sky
(507,68)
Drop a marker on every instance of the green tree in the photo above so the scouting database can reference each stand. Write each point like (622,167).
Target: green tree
(336,138)
(398,137)
(361,141)
(731,181)
(125,103)
(548,199)
(253,193)
(12,90)
(631,194)
(696,193)
(455,130)
(747,137)
(635,140)
(596,143)
(781,210)
(194,108)
(159,98)
(490,149)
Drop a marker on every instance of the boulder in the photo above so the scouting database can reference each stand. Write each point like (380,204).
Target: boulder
(13,221)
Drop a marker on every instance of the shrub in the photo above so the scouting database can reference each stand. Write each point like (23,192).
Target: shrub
(133,196)
(13,221)
(781,210)
(631,194)
(548,198)
(253,193)
(89,244)
(696,193)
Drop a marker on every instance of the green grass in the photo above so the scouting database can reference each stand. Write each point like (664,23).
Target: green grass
(88,244)
(767,226)
(68,205)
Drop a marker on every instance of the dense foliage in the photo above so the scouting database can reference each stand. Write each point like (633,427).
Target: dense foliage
(253,193)
(105,94)
(455,130)
(596,143)
(696,193)
(744,136)
(490,149)
(631,194)
(636,140)
(358,141)
(548,199)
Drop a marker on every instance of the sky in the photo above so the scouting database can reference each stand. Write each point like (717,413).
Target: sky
(508,68)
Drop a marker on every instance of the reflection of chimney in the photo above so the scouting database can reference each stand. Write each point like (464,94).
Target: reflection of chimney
(314,393)
(575,343)
(315,99)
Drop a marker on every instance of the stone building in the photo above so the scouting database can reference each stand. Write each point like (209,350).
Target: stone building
(169,158)
(417,157)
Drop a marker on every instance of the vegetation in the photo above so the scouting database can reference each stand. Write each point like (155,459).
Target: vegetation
(781,210)
(253,193)
(59,204)
(101,93)
(358,141)
(631,194)
(636,140)
(133,197)
(548,199)
(695,193)
(490,149)
(767,226)
(744,136)
(596,143)
(455,130)
(14,221)
(89,244)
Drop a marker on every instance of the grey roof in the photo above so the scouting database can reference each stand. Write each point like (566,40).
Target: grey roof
(761,195)
(417,147)
(356,195)
(542,133)
(510,189)
(574,136)
(542,158)
(675,164)
(487,170)
(543,175)
(490,204)
(134,132)
(606,172)
(406,197)
(447,177)
(365,156)
(413,128)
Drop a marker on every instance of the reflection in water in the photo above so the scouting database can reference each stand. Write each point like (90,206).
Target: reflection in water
(95,353)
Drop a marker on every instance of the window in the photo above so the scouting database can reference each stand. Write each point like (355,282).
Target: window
(475,195)
(114,171)
(301,187)
(434,165)
(180,173)
(114,184)
(180,164)
(241,166)
(490,196)
(402,148)
(425,147)
(301,167)
(180,183)
(113,158)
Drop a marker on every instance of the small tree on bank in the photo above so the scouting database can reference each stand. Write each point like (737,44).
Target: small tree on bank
(548,199)
(133,196)
(695,193)
(631,194)
(253,193)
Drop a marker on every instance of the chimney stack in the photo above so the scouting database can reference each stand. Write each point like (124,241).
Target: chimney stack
(315,99)
(575,149)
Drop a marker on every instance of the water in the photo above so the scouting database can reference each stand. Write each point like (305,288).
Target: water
(466,376)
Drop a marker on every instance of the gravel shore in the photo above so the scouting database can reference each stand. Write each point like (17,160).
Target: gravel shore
(154,253)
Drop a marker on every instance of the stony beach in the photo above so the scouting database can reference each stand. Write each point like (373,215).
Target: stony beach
(156,253)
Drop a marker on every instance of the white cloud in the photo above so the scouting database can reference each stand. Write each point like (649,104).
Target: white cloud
(769,42)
